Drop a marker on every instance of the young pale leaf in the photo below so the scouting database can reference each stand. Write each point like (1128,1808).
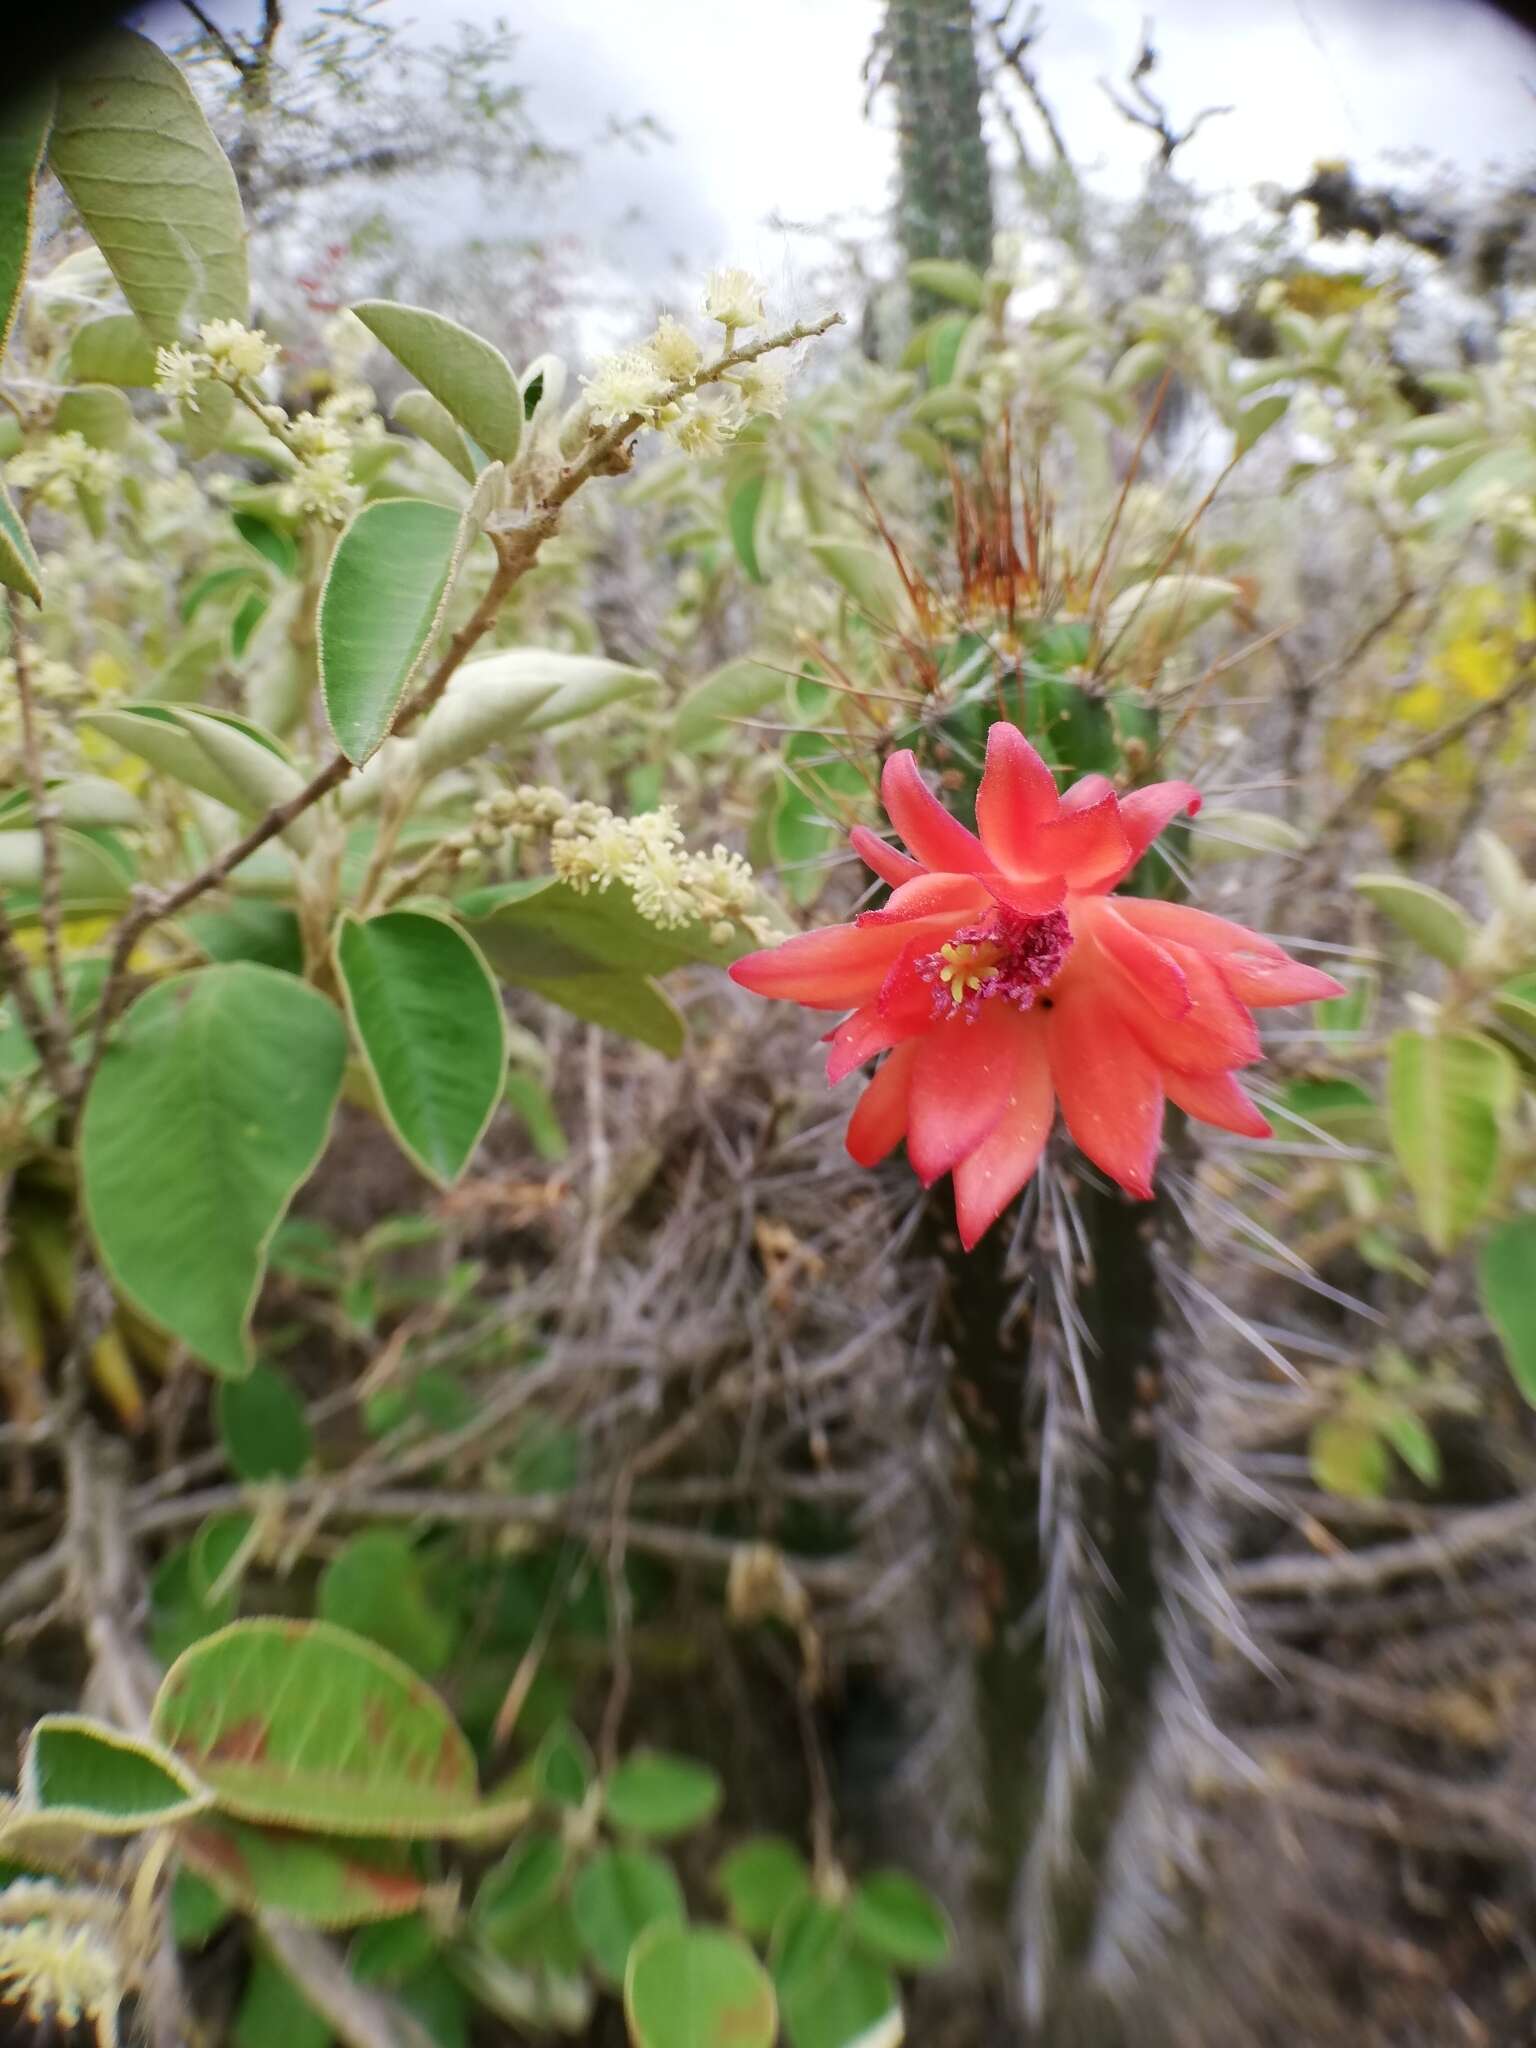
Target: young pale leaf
(1432,920)
(1255,422)
(19,567)
(384,594)
(98,413)
(304,1725)
(255,768)
(584,683)
(654,1794)
(1506,1278)
(961,283)
(484,704)
(427,1014)
(134,151)
(697,1987)
(88,875)
(469,377)
(615,1898)
(759,1880)
(209,1111)
(1448,1095)
(262,1422)
(739,690)
(320,1883)
(24,125)
(113,349)
(868,575)
(421,414)
(83,1773)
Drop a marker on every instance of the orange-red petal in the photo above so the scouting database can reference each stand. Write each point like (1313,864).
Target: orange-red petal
(987,1179)
(1108,1085)
(879,1122)
(1085,843)
(960,1086)
(1157,975)
(859,1037)
(1258,972)
(833,969)
(1017,796)
(925,895)
(888,861)
(1214,1033)
(1144,813)
(932,835)
(1216,1099)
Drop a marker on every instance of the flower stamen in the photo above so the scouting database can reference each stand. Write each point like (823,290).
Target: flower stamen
(1006,955)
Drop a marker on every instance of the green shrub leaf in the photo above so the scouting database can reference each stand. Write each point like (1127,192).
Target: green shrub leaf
(301,1724)
(134,151)
(1447,1097)
(19,567)
(739,690)
(760,1880)
(323,1883)
(1432,920)
(469,377)
(78,1771)
(651,1793)
(212,1105)
(375,1586)
(615,1898)
(24,125)
(427,1013)
(421,414)
(265,1430)
(697,1987)
(384,594)
(1506,1275)
(898,1920)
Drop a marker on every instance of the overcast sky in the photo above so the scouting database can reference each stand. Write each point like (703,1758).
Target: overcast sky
(764,103)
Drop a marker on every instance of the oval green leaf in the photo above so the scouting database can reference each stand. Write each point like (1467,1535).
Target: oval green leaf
(739,690)
(901,1922)
(134,151)
(19,567)
(616,1898)
(78,1771)
(421,414)
(1506,1276)
(1431,919)
(697,1987)
(427,1014)
(383,596)
(651,1793)
(466,375)
(24,125)
(326,1883)
(265,1430)
(1447,1097)
(304,1725)
(759,1880)
(211,1107)
(376,1587)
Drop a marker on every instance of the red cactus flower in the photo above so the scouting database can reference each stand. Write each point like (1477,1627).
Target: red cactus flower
(1002,978)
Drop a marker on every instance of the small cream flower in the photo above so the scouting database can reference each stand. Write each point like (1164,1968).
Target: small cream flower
(236,350)
(734,298)
(701,429)
(311,434)
(178,372)
(632,382)
(676,353)
(321,488)
(764,386)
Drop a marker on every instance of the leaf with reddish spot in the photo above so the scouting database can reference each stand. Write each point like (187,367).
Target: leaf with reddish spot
(330,1883)
(306,1725)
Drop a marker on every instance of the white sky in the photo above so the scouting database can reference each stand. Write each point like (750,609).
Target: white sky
(764,102)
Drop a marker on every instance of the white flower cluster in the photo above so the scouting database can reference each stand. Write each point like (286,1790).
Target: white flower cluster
(60,1974)
(322,486)
(57,468)
(229,352)
(591,847)
(655,382)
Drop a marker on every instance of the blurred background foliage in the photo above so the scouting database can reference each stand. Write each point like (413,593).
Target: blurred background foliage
(1125,1634)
